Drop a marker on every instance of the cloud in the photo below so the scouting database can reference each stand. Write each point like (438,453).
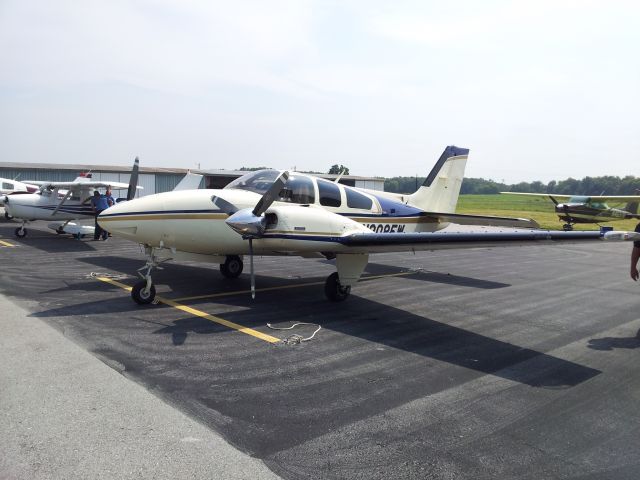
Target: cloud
(179,46)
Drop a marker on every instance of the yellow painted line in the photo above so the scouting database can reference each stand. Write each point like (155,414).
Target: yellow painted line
(6,244)
(201,314)
(282,287)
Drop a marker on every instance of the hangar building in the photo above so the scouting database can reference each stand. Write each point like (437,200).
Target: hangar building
(154,180)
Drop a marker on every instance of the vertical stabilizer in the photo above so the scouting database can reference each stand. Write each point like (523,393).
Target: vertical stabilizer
(440,190)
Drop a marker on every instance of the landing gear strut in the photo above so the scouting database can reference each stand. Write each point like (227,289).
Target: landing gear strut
(144,292)
(232,266)
(334,290)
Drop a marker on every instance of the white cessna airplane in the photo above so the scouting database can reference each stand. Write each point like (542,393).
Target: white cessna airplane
(62,201)
(268,212)
(14,187)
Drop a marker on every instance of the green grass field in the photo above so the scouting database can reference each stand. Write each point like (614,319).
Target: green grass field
(539,209)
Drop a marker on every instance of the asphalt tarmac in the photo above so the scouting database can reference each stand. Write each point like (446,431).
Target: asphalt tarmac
(511,362)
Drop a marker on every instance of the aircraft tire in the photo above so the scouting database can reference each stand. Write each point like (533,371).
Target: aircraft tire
(232,267)
(7,216)
(334,291)
(59,231)
(20,232)
(138,295)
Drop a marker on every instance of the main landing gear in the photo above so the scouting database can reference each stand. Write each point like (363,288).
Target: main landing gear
(232,266)
(567,227)
(20,232)
(334,290)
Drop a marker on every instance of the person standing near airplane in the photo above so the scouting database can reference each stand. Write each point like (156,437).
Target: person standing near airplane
(99,203)
(635,256)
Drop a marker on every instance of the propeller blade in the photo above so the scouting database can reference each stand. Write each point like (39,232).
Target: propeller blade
(227,207)
(253,277)
(133,181)
(270,195)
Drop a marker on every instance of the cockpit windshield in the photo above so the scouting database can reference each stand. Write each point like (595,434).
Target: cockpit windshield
(258,181)
(298,189)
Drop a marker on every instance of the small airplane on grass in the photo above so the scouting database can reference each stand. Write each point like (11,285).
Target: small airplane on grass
(269,212)
(589,209)
(62,201)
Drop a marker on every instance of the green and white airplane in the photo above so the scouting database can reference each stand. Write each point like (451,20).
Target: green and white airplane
(573,209)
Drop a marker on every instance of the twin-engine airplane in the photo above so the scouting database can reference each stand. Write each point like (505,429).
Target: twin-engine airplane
(584,209)
(62,201)
(268,212)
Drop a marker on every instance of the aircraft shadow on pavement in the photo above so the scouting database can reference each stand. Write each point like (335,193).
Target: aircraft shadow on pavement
(194,280)
(612,343)
(47,240)
(397,357)
(359,318)
(435,277)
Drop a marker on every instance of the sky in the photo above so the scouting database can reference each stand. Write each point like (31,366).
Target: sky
(539,90)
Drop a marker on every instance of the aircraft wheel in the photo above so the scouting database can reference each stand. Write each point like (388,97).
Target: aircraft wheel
(20,232)
(59,230)
(232,267)
(140,296)
(333,290)
(7,216)
(567,227)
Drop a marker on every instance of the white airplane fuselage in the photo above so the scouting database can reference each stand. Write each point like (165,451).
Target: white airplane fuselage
(41,206)
(189,221)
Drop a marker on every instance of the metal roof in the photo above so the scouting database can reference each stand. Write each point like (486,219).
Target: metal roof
(126,169)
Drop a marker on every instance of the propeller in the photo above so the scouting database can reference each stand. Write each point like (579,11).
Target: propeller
(250,223)
(133,181)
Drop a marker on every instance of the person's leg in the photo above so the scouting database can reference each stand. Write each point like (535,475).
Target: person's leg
(98,230)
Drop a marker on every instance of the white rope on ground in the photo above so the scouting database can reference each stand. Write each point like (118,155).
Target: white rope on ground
(295,338)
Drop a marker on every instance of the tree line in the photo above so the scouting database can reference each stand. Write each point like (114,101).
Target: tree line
(607,185)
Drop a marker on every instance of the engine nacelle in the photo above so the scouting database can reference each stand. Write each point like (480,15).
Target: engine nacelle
(309,221)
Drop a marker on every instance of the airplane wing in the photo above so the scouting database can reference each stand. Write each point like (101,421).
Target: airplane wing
(604,198)
(484,220)
(90,184)
(548,195)
(391,242)
(616,198)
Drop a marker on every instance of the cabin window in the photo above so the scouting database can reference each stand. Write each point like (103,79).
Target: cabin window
(329,194)
(298,189)
(358,200)
(7,186)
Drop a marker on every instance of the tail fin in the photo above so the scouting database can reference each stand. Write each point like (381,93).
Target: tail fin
(632,207)
(440,190)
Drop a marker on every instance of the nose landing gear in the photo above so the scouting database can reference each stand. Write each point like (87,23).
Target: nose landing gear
(144,292)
